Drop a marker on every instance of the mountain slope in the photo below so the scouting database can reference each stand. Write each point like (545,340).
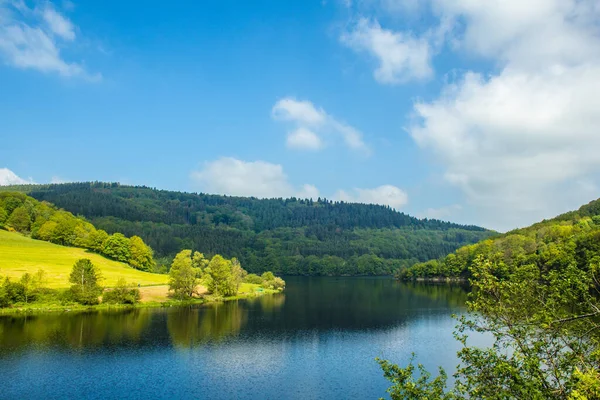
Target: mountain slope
(572,238)
(20,254)
(287,236)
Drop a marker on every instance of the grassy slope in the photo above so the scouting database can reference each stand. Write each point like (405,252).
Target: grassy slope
(20,254)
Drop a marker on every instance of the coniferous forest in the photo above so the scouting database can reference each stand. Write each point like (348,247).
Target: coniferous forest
(287,236)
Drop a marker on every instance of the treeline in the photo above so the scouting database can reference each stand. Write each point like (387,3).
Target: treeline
(571,238)
(286,236)
(43,221)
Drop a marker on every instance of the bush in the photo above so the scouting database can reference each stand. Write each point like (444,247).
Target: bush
(11,293)
(267,276)
(121,294)
(253,278)
(276,284)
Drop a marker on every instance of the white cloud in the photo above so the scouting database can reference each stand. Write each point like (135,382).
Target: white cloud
(7,177)
(311,124)
(248,178)
(401,56)
(442,213)
(262,179)
(303,138)
(32,38)
(58,24)
(289,109)
(384,195)
(521,143)
(308,192)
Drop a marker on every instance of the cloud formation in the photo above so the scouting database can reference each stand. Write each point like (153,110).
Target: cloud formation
(311,125)
(401,57)
(260,179)
(519,142)
(304,139)
(7,177)
(384,195)
(31,38)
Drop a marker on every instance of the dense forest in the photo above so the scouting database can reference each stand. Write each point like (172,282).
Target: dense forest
(573,237)
(287,236)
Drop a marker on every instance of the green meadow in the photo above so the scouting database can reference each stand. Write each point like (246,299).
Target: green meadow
(20,254)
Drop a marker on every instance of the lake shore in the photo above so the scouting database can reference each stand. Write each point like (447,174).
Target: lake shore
(151,297)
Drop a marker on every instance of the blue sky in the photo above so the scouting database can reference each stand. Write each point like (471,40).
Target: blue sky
(446,109)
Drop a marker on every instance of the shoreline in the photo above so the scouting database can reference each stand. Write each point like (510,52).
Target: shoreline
(42,308)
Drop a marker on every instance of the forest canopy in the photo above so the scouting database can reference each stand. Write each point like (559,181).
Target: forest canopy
(287,236)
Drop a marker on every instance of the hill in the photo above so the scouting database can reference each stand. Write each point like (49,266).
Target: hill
(20,254)
(572,238)
(287,236)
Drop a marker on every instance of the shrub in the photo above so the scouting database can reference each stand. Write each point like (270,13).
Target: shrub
(276,283)
(253,278)
(121,294)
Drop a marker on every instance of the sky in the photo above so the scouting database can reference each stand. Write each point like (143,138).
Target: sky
(479,112)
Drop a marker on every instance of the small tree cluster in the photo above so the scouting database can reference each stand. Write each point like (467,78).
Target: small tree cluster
(122,293)
(25,290)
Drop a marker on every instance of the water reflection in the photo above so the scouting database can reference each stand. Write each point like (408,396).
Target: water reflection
(318,340)
(309,304)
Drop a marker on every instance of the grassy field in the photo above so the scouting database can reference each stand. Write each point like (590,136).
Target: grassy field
(20,254)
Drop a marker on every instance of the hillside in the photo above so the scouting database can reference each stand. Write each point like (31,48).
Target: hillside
(287,236)
(20,254)
(572,238)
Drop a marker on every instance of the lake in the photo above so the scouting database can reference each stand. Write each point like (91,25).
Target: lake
(317,340)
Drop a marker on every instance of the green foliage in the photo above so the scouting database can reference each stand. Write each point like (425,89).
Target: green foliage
(276,283)
(121,294)
(19,219)
(140,254)
(47,223)
(267,276)
(85,280)
(3,216)
(253,278)
(536,291)
(406,387)
(286,236)
(222,281)
(183,277)
(11,293)
(545,326)
(117,247)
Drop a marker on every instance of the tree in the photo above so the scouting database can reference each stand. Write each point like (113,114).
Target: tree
(97,239)
(3,216)
(27,281)
(20,219)
(85,280)
(237,273)
(183,277)
(116,246)
(546,331)
(141,256)
(221,280)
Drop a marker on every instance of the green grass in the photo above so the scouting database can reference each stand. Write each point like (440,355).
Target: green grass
(20,254)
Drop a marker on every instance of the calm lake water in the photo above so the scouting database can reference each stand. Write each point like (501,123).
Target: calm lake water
(318,340)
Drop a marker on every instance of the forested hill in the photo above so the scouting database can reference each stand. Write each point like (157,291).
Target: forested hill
(572,238)
(288,236)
